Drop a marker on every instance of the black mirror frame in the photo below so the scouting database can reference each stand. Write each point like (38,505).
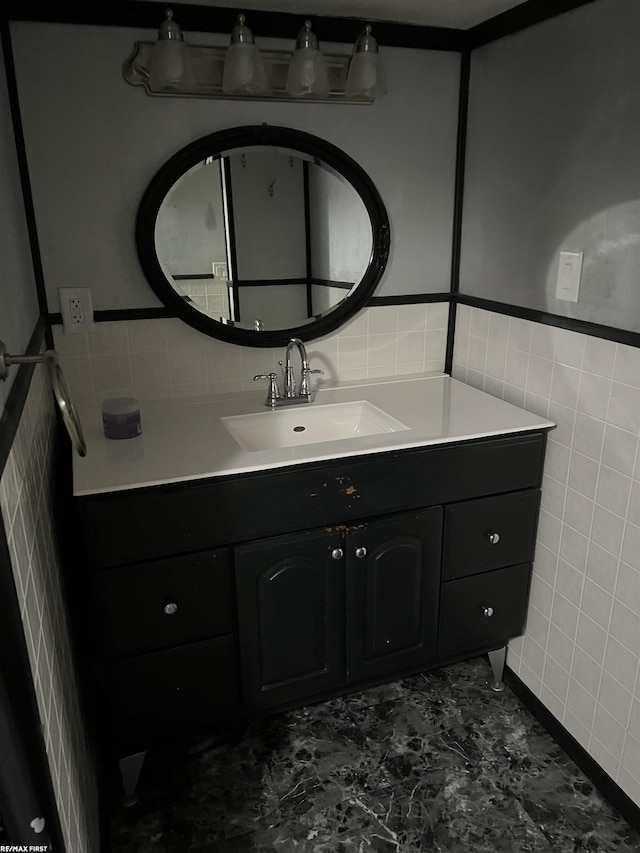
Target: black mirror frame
(225,140)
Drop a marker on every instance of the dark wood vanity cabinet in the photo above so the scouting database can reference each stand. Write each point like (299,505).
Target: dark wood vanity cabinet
(221,599)
(322,610)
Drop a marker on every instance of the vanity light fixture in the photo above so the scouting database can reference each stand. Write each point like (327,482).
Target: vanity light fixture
(244,72)
(307,75)
(171,67)
(366,77)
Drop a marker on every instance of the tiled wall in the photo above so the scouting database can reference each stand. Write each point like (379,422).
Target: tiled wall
(581,650)
(26,506)
(210,295)
(161,358)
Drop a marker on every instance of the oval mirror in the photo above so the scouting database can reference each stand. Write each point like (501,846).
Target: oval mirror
(259,234)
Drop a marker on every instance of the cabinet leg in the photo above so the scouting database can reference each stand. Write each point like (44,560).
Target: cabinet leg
(130,767)
(497,659)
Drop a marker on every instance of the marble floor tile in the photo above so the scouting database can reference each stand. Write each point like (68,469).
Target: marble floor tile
(436,762)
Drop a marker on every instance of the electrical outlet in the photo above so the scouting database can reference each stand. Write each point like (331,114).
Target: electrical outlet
(76,308)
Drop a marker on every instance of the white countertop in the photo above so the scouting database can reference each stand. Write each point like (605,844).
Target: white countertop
(184,438)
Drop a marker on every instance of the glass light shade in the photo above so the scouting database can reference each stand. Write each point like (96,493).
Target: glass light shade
(307,75)
(170,68)
(244,72)
(366,78)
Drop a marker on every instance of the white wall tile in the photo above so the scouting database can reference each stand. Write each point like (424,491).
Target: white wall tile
(619,448)
(569,348)
(607,530)
(627,366)
(614,490)
(27,514)
(583,475)
(156,358)
(631,756)
(615,698)
(624,407)
(599,356)
(602,567)
(588,547)
(586,671)
(569,582)
(596,603)
(628,586)
(588,435)
(631,545)
(621,663)
(556,678)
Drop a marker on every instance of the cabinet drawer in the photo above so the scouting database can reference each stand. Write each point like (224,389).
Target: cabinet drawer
(164,603)
(186,688)
(465,606)
(489,533)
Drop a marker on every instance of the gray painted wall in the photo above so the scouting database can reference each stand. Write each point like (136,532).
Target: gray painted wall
(18,302)
(554,164)
(94,142)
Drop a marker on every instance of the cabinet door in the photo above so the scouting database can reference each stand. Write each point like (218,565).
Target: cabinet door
(291,617)
(393,590)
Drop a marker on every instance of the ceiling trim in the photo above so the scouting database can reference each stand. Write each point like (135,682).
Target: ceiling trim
(146,15)
(221,19)
(519,18)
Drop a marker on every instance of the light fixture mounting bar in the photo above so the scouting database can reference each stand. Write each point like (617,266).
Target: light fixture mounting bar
(207,64)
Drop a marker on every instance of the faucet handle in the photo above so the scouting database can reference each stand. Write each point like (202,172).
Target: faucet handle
(305,388)
(273,393)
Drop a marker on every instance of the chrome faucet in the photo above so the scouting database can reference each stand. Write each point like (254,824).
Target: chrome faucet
(290,395)
(289,381)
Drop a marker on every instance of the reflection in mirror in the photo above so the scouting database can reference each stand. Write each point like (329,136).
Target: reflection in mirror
(259,234)
(264,237)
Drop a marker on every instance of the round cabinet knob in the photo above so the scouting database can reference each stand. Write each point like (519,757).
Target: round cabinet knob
(170,609)
(487,611)
(361,552)
(494,538)
(337,554)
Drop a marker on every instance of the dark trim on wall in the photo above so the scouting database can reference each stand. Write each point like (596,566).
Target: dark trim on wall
(116,314)
(193,276)
(268,282)
(458,201)
(519,18)
(23,170)
(306,189)
(585,327)
(603,782)
(408,299)
(10,418)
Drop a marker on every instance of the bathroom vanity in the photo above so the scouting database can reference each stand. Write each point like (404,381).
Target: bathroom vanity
(230,583)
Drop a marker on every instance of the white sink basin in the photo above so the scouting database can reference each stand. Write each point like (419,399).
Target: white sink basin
(309,424)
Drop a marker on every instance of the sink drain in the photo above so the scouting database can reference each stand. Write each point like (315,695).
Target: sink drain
(299,429)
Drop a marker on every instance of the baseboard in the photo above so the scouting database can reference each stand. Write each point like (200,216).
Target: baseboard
(603,782)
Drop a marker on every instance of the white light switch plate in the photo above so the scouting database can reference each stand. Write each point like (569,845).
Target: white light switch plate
(569,272)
